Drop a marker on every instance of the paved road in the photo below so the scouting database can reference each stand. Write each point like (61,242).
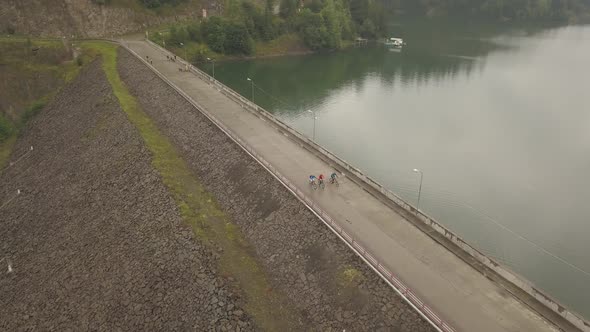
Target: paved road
(457,292)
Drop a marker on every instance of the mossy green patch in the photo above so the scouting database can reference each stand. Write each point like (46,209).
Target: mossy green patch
(5,150)
(350,276)
(199,209)
(43,66)
(283,45)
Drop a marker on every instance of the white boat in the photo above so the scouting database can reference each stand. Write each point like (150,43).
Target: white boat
(395,42)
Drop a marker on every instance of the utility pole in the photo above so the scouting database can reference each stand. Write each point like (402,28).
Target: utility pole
(420,189)
(252,84)
(314,118)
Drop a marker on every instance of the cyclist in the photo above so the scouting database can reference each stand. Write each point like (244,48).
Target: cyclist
(312,178)
(333,178)
(321,178)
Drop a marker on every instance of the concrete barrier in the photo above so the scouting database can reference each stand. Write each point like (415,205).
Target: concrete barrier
(504,272)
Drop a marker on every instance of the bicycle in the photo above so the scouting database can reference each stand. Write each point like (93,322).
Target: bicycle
(313,184)
(335,182)
(322,185)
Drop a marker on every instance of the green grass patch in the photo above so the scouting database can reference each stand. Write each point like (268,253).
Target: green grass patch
(199,209)
(7,140)
(6,128)
(32,110)
(47,66)
(285,44)
(5,150)
(350,277)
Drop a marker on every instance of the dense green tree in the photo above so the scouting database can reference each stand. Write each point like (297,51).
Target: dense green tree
(194,32)
(359,10)
(213,31)
(177,36)
(237,40)
(288,8)
(227,36)
(368,29)
(6,128)
(311,26)
(315,5)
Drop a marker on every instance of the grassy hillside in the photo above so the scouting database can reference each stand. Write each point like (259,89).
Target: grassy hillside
(32,71)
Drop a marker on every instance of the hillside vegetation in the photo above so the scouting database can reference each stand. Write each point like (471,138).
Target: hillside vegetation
(248,28)
(270,27)
(32,71)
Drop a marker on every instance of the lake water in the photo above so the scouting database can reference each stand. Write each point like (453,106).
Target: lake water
(497,119)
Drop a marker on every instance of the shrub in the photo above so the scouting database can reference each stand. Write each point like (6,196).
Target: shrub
(237,40)
(200,55)
(213,31)
(30,112)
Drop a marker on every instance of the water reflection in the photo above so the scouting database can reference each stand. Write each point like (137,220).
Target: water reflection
(321,76)
(495,119)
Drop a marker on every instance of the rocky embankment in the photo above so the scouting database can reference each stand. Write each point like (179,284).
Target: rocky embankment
(80,18)
(331,287)
(94,241)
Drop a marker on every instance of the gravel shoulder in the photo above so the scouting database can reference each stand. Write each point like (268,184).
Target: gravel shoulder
(95,241)
(329,285)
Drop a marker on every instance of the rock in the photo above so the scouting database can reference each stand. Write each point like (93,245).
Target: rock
(302,277)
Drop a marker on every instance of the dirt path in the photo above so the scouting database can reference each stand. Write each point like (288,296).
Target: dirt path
(95,241)
(328,284)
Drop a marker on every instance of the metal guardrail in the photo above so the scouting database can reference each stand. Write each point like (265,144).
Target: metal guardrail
(405,292)
(504,272)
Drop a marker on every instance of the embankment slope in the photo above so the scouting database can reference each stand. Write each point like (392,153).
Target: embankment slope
(95,241)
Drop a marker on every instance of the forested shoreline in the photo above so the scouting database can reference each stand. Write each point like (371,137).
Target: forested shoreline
(242,26)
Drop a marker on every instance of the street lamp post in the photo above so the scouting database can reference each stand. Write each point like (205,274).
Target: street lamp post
(163,40)
(420,189)
(213,63)
(252,84)
(185,56)
(314,118)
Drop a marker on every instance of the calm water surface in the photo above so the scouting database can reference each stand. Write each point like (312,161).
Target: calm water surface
(498,120)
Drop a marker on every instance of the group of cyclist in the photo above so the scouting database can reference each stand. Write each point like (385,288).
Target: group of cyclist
(319,181)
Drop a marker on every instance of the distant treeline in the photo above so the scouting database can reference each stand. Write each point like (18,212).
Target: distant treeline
(321,24)
(493,9)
